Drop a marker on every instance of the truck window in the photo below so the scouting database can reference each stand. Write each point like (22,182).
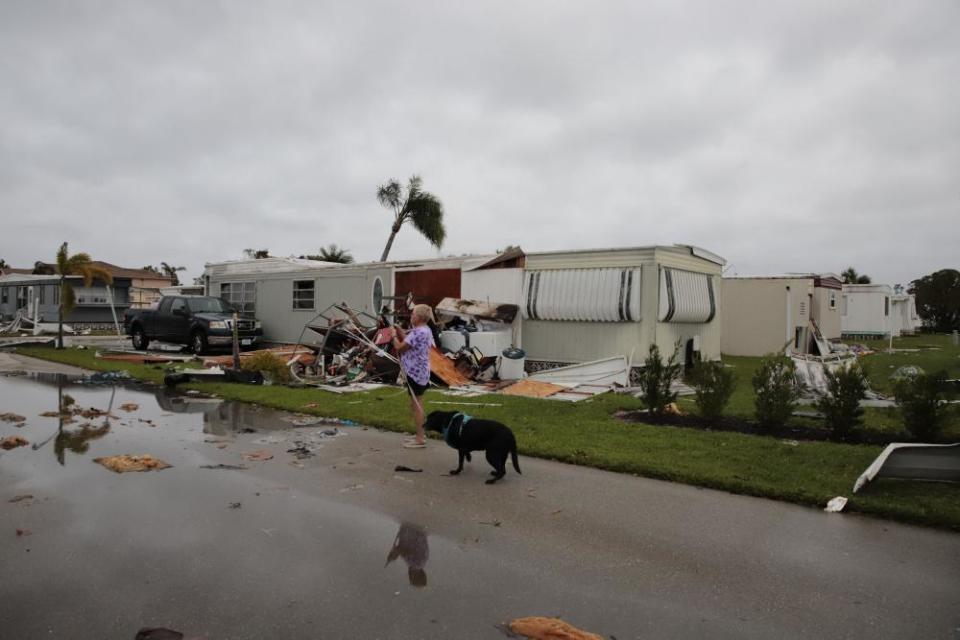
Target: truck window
(178,304)
(165,305)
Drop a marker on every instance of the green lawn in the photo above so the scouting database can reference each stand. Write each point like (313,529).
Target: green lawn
(585,433)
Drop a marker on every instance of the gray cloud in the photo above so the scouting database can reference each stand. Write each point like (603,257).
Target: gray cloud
(784,136)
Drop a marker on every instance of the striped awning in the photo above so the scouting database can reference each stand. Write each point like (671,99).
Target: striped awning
(686,296)
(582,295)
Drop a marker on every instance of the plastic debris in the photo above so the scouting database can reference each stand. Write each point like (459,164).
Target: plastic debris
(836,505)
(232,467)
(904,372)
(235,505)
(12,442)
(539,628)
(127,462)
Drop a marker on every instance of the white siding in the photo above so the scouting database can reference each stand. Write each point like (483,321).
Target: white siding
(496,286)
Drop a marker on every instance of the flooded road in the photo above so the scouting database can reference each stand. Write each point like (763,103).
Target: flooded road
(265,529)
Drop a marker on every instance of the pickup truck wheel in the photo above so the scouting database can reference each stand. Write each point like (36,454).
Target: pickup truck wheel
(198,342)
(140,340)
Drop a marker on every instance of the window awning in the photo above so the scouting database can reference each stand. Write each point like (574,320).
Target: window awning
(582,295)
(686,296)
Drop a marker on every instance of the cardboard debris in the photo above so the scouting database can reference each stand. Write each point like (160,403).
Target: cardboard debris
(539,628)
(443,368)
(12,417)
(129,406)
(127,462)
(532,389)
(12,442)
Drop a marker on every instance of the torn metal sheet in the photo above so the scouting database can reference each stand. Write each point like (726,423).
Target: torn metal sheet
(939,462)
(469,309)
(607,371)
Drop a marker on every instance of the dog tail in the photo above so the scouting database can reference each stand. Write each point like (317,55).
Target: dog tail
(513,456)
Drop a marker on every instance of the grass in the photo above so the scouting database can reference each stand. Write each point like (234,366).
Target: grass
(586,433)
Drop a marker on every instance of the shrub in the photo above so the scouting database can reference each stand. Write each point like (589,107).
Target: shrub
(656,378)
(714,385)
(777,391)
(840,405)
(272,366)
(920,401)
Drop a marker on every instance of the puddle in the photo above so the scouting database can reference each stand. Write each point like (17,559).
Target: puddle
(219,546)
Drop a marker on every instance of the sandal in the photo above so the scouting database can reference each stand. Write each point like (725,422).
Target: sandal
(413,444)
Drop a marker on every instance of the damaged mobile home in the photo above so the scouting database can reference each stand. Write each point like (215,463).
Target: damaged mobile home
(574,306)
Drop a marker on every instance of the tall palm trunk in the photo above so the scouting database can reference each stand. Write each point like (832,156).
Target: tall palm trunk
(393,234)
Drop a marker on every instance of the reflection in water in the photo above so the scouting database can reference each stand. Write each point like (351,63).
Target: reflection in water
(411,545)
(76,440)
(228,418)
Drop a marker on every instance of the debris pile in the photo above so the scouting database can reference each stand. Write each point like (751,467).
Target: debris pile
(125,463)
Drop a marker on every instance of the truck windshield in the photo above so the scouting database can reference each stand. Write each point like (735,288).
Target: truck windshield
(208,305)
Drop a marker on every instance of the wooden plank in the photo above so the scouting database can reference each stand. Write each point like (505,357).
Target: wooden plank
(443,368)
(532,389)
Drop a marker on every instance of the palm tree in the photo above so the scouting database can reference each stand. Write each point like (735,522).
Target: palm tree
(3,264)
(420,207)
(850,276)
(171,272)
(76,265)
(333,253)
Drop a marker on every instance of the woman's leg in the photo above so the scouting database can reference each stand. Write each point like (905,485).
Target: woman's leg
(416,406)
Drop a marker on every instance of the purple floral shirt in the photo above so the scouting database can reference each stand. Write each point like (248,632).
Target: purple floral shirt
(416,359)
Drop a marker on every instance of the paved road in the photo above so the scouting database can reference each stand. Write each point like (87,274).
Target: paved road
(304,555)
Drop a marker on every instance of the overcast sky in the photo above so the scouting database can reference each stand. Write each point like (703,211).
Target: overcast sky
(784,136)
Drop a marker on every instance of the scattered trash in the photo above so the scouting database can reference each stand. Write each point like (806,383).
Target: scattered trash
(303,421)
(25,496)
(790,443)
(129,406)
(24,532)
(127,462)
(258,456)
(401,467)
(301,451)
(12,417)
(235,505)
(904,372)
(232,467)
(836,505)
(352,487)
(494,523)
(539,628)
(12,442)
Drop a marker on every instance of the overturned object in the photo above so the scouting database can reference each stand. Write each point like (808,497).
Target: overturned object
(914,462)
(127,462)
(540,628)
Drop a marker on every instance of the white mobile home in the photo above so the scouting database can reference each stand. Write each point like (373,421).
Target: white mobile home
(866,310)
(904,319)
(579,306)
(286,294)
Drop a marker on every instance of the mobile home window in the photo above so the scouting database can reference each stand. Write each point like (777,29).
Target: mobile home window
(43,294)
(886,306)
(242,295)
(303,294)
(4,295)
(377,295)
(833,299)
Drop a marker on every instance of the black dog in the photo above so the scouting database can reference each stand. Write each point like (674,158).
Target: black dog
(466,434)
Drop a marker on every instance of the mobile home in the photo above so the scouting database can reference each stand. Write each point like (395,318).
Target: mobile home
(866,310)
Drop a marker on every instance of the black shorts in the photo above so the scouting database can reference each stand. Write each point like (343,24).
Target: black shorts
(418,389)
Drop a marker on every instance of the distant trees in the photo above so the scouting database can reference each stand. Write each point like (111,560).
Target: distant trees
(41,268)
(938,299)
(331,253)
(850,276)
(75,265)
(3,264)
(171,272)
(256,254)
(414,205)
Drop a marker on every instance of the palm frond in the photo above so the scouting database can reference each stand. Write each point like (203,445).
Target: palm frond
(426,214)
(91,273)
(389,194)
